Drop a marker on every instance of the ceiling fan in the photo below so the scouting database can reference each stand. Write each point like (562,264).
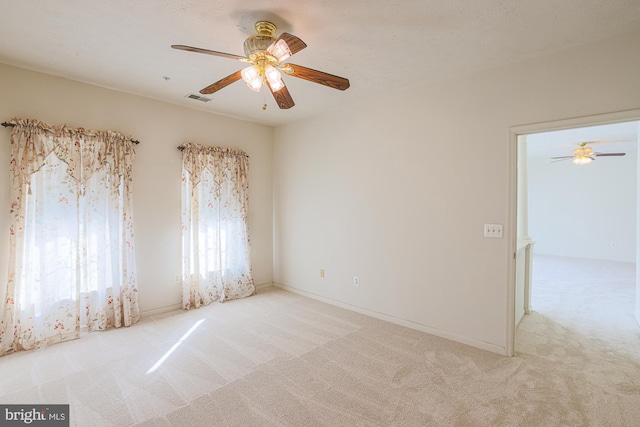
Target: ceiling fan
(266,55)
(583,155)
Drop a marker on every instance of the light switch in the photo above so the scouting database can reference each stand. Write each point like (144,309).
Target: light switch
(493,230)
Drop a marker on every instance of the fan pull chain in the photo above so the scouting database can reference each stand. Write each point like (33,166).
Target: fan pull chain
(264,98)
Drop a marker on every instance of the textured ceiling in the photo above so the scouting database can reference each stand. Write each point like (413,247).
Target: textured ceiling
(379,45)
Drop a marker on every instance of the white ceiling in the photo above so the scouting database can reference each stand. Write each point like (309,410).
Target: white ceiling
(379,45)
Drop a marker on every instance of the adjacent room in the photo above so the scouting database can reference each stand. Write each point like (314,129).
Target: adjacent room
(577,194)
(285,213)
(566,200)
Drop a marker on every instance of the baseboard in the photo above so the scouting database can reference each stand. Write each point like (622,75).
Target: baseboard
(264,286)
(398,321)
(160,310)
(172,307)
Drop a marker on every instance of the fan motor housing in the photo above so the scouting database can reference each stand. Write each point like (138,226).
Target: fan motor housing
(257,43)
(261,41)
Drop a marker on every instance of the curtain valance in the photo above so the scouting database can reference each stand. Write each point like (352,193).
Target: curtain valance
(218,160)
(84,151)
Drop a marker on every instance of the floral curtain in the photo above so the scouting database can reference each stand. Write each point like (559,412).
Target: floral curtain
(71,260)
(216,263)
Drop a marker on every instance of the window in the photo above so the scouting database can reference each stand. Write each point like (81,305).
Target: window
(71,237)
(215,239)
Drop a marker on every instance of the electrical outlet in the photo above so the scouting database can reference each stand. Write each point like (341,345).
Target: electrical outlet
(322,272)
(493,230)
(356,281)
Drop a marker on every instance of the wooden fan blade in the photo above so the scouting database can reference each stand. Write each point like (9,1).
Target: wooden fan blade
(560,160)
(231,78)
(282,97)
(208,52)
(294,43)
(609,154)
(562,157)
(316,76)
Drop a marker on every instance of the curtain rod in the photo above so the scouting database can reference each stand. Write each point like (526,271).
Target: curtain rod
(181,148)
(10,125)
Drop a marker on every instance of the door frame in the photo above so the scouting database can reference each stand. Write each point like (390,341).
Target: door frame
(514,132)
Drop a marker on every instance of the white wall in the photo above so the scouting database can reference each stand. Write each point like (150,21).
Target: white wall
(396,190)
(584,211)
(161,128)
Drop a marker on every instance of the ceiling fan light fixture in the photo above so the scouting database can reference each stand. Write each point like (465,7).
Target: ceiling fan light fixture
(280,50)
(583,151)
(582,160)
(253,79)
(261,41)
(582,155)
(274,78)
(265,53)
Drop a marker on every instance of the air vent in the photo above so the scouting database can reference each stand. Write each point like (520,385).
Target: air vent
(198,98)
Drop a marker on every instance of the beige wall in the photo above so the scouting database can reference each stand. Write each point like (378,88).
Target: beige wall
(161,128)
(396,190)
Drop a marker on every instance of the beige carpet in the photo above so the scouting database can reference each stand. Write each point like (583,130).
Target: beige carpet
(278,359)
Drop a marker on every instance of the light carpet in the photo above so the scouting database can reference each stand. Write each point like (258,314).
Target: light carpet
(279,359)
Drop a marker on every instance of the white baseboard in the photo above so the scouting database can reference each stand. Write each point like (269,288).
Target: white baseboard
(399,321)
(264,286)
(160,310)
(178,306)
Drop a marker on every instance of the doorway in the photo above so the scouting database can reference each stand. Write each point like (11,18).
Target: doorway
(572,218)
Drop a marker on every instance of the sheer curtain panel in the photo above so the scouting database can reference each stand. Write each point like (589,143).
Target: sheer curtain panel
(216,263)
(71,260)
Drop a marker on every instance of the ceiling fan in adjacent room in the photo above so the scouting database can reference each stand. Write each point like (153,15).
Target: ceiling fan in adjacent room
(583,155)
(266,55)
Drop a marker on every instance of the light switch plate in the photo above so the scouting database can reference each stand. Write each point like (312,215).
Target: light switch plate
(493,230)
